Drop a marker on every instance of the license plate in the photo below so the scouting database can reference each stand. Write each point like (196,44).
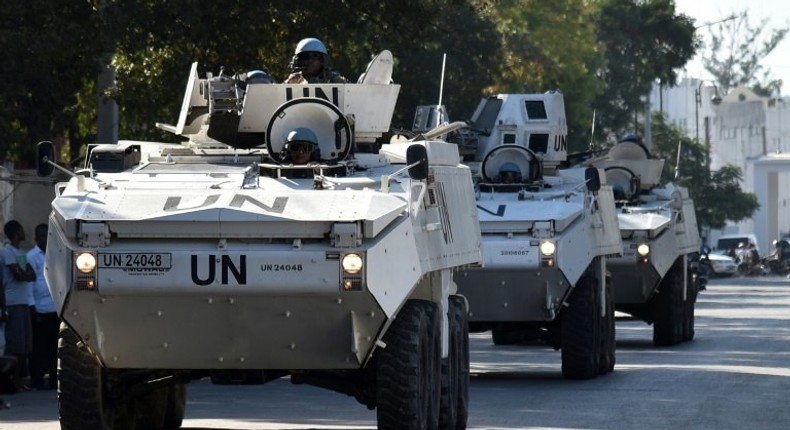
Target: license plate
(135,260)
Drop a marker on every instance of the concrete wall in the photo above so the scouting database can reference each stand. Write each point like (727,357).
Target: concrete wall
(25,198)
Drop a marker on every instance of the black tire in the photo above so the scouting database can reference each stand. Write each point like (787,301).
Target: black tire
(454,403)
(506,336)
(409,370)
(176,406)
(668,308)
(688,310)
(607,360)
(580,326)
(82,401)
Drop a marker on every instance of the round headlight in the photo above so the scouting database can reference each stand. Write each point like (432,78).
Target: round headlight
(85,262)
(547,248)
(352,264)
(643,249)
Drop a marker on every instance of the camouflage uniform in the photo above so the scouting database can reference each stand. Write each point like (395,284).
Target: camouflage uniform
(325,77)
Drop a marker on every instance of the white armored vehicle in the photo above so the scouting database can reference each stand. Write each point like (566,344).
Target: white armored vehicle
(659,231)
(546,232)
(219,258)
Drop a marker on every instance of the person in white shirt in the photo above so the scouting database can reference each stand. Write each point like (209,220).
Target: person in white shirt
(46,323)
(17,277)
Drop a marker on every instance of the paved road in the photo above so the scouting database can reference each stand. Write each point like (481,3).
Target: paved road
(734,375)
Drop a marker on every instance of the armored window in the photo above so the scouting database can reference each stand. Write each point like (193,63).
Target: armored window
(509,139)
(539,143)
(536,109)
(487,119)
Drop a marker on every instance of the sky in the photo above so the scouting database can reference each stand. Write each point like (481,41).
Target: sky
(776,11)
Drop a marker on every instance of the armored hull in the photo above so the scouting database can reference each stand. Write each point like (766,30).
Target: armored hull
(219,257)
(659,230)
(546,232)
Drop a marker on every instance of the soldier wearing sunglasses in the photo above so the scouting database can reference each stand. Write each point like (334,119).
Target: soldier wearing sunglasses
(310,65)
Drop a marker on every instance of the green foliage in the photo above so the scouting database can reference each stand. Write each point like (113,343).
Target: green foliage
(645,42)
(736,51)
(551,45)
(159,42)
(47,51)
(717,195)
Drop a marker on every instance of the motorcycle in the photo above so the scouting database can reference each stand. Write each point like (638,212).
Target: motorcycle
(777,266)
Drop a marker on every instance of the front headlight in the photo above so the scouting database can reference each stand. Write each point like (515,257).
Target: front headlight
(85,270)
(352,264)
(548,248)
(352,273)
(85,262)
(643,253)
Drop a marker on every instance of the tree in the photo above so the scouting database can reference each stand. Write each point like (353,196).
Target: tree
(156,42)
(645,42)
(48,52)
(717,195)
(736,51)
(550,45)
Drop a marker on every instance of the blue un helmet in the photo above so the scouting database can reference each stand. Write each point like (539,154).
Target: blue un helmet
(511,171)
(631,137)
(307,47)
(301,135)
(259,77)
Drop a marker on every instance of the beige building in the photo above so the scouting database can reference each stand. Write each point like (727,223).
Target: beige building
(745,130)
(26,198)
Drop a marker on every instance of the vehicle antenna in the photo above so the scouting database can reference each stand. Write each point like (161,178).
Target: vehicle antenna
(677,162)
(441,88)
(592,133)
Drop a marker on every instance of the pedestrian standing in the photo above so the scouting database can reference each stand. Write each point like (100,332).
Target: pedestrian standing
(18,276)
(46,323)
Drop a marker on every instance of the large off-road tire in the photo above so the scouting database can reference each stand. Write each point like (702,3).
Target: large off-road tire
(580,326)
(454,404)
(82,401)
(176,406)
(668,308)
(506,336)
(409,369)
(607,360)
(688,310)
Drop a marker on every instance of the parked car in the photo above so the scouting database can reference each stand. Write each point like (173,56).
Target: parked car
(721,265)
(733,242)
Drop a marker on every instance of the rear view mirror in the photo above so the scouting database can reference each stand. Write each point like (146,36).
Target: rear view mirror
(45,158)
(593,179)
(417,159)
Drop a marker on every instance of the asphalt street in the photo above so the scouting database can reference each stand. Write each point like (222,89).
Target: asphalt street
(734,375)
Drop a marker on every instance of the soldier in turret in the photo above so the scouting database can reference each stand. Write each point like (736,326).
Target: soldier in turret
(310,65)
(509,173)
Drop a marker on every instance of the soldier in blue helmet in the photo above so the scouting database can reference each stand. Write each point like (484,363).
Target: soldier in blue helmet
(509,173)
(631,137)
(310,64)
(301,146)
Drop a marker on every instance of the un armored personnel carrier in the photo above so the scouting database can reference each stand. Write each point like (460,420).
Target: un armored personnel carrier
(546,233)
(214,258)
(655,282)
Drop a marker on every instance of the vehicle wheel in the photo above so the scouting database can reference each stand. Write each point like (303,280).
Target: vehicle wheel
(176,406)
(82,400)
(454,405)
(506,336)
(409,369)
(688,310)
(607,359)
(669,309)
(581,331)
(149,409)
